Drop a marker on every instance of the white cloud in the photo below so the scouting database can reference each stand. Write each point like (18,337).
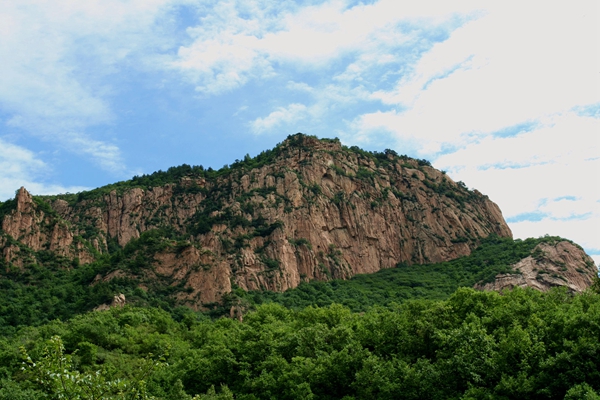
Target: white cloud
(325,100)
(242,40)
(517,63)
(553,161)
(55,56)
(107,155)
(224,53)
(544,180)
(21,167)
(570,208)
(582,231)
(69,135)
(281,116)
(432,75)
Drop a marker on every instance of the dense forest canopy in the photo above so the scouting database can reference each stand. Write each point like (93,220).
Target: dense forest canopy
(474,345)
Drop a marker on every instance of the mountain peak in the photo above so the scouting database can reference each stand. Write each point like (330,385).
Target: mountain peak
(310,209)
(300,140)
(24,200)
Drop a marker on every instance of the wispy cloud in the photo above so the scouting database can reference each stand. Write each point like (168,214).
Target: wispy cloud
(499,70)
(560,139)
(55,58)
(508,104)
(237,41)
(282,115)
(107,155)
(542,179)
(21,167)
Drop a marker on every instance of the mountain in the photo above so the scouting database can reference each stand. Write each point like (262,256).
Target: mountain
(550,264)
(306,210)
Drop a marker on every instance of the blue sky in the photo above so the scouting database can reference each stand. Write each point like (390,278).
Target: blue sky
(504,96)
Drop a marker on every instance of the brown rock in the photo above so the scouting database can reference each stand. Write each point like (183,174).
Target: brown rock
(317,211)
(33,228)
(560,264)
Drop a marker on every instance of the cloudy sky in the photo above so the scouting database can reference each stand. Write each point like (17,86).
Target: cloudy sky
(503,95)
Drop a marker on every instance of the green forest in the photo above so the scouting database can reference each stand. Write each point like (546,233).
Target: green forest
(474,345)
(410,332)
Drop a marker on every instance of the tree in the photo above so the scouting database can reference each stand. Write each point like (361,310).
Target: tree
(56,375)
(595,287)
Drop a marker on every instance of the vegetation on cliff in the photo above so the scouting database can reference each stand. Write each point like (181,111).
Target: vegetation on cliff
(174,175)
(436,281)
(59,290)
(308,209)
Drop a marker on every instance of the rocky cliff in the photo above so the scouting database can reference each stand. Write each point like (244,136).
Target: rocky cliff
(308,209)
(31,227)
(561,263)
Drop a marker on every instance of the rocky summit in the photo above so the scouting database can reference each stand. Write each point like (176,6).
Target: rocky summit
(309,209)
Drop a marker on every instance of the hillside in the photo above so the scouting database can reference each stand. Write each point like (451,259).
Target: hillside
(345,274)
(308,209)
(496,264)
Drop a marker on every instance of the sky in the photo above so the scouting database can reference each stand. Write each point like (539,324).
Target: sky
(503,95)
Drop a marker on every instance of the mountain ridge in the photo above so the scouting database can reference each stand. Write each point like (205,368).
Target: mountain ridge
(309,209)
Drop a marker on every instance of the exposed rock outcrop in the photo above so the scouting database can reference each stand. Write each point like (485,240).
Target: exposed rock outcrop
(560,264)
(308,209)
(118,300)
(37,230)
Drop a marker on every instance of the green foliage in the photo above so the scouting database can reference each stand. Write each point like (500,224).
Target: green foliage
(386,158)
(56,375)
(173,175)
(522,344)
(582,391)
(338,170)
(216,178)
(300,242)
(271,264)
(315,189)
(37,294)
(7,207)
(364,173)
(396,285)
(460,239)
(214,212)
(265,230)
(409,332)
(596,285)
(42,205)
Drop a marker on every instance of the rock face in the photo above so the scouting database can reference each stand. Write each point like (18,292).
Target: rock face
(560,264)
(37,230)
(308,209)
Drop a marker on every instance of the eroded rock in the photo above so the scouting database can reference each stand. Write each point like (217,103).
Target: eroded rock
(559,264)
